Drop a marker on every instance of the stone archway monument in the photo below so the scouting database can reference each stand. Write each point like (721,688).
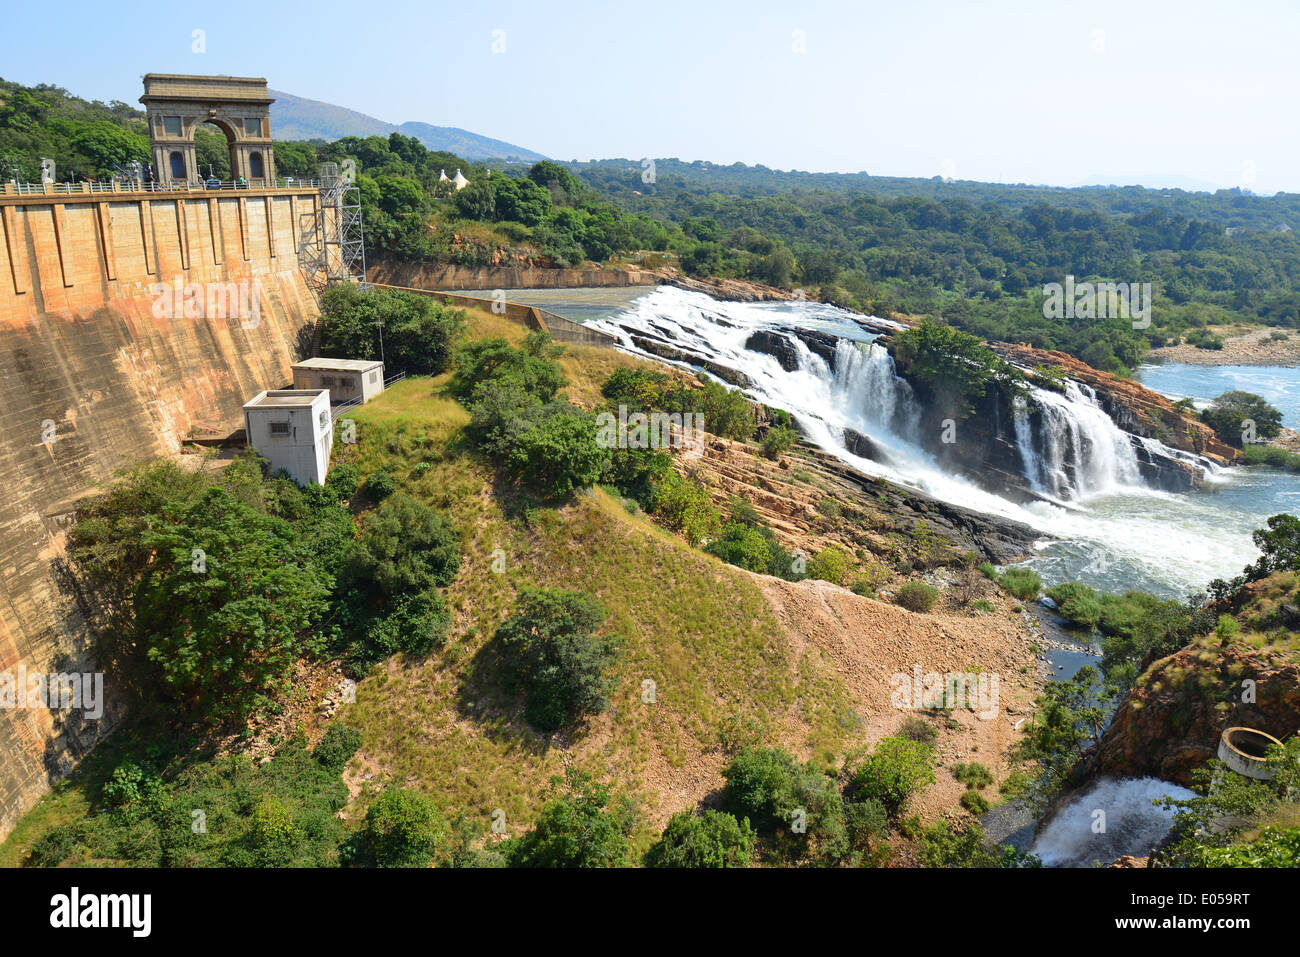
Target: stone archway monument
(239,106)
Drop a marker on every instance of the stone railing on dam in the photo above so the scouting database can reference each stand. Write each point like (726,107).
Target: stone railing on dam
(50,188)
(105,361)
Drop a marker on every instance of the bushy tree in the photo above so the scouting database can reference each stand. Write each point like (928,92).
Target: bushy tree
(713,839)
(726,411)
(897,770)
(953,365)
(405,547)
(559,454)
(767,786)
(224,605)
(417,330)
(401,829)
(495,361)
(578,827)
(552,653)
(1238,417)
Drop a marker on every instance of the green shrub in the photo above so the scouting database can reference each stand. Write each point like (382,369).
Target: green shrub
(336,747)
(636,387)
(273,828)
(550,652)
(52,848)
(942,846)
(684,505)
(1065,591)
(400,829)
(413,624)
(830,564)
(637,473)
(559,454)
(916,596)
(405,546)
(761,786)
(127,785)
(713,839)
(1024,583)
(989,571)
(378,486)
(779,440)
(975,802)
(894,772)
(577,828)
(1226,628)
(744,546)
(973,775)
(726,411)
(1082,610)
(867,821)
(343,479)
(829,507)
(1273,456)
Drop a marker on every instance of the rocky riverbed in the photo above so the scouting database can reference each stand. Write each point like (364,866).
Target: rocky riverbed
(1259,347)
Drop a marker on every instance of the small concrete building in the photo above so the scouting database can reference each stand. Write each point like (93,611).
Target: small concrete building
(294,429)
(346,379)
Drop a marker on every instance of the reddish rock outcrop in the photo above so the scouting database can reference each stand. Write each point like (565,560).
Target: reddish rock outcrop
(1169,723)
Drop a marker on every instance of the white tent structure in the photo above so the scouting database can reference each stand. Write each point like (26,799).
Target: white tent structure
(460,180)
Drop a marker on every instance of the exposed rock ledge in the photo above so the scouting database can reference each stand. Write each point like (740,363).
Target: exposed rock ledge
(1184,702)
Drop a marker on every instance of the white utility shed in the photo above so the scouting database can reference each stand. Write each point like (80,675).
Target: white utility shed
(346,379)
(294,429)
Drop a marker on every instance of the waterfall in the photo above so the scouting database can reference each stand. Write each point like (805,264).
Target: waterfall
(1076,450)
(1070,449)
(1087,470)
(871,392)
(1112,818)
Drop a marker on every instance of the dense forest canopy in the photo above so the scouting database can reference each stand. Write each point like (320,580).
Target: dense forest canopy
(976,255)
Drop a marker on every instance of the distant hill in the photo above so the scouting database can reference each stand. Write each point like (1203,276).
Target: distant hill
(298,118)
(1153,181)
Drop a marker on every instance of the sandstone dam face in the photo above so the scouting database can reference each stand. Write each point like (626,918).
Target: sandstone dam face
(94,378)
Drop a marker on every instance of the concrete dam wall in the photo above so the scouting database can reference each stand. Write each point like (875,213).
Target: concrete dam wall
(100,368)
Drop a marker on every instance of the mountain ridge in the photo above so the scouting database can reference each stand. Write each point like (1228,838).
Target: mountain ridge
(300,118)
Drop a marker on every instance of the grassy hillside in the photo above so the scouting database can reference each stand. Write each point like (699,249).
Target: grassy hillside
(737,660)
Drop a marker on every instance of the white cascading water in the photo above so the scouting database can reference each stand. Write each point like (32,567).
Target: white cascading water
(1076,457)
(1078,451)
(1109,820)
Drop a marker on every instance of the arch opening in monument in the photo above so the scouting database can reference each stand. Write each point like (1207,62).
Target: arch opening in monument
(214,149)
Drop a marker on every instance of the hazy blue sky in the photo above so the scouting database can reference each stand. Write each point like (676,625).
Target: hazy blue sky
(1044,91)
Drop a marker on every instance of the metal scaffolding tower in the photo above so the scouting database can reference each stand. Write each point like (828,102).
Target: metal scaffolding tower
(338,250)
